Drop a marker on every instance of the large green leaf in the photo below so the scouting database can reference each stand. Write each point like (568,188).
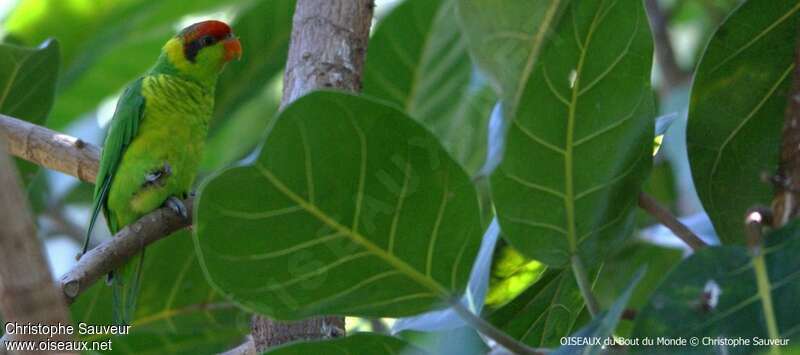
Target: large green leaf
(603,325)
(177,311)
(352,208)
(736,110)
(545,312)
(361,343)
(713,294)
(580,143)
(105,43)
(418,61)
(27,88)
(28,80)
(506,38)
(263,30)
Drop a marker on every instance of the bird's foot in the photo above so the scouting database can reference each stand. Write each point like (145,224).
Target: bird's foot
(177,206)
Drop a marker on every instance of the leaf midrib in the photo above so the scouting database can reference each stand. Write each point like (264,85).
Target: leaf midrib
(569,189)
(356,237)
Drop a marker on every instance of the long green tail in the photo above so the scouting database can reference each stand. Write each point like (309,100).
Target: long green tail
(125,283)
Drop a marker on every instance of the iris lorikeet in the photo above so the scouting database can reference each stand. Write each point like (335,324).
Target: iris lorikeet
(154,144)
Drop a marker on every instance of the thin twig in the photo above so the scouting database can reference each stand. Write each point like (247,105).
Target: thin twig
(128,242)
(663,215)
(584,285)
(493,333)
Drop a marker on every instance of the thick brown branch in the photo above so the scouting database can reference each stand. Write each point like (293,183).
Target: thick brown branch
(128,242)
(663,215)
(327,50)
(51,149)
(27,295)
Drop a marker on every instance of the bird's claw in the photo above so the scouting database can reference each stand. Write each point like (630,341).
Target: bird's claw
(177,206)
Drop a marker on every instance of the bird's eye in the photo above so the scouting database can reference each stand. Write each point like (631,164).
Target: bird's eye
(207,40)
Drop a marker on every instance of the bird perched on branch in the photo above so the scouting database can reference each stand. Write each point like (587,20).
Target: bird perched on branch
(154,145)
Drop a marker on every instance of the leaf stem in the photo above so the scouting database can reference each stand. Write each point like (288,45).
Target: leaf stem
(753,223)
(764,292)
(584,285)
(663,215)
(493,333)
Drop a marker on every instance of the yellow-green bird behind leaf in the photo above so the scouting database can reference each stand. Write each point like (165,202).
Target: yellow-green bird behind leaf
(154,145)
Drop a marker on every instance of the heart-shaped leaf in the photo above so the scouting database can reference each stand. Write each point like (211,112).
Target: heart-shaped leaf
(580,144)
(736,111)
(352,208)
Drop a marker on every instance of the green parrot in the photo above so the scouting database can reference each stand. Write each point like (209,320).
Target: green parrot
(154,145)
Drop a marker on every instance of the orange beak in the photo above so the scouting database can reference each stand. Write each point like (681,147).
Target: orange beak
(233,49)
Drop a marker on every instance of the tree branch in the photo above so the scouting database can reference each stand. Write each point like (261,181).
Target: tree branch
(665,53)
(51,149)
(128,242)
(70,155)
(327,50)
(663,215)
(27,295)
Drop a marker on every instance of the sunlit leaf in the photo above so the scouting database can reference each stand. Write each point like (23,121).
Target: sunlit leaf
(545,312)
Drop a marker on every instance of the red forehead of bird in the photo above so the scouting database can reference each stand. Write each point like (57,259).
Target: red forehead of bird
(217,29)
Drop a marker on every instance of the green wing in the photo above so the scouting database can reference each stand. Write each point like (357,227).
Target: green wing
(124,126)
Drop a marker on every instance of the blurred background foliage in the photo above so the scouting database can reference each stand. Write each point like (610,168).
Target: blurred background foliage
(417,61)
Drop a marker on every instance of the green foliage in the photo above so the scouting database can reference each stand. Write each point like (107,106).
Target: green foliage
(576,156)
(736,111)
(368,212)
(263,30)
(431,76)
(27,88)
(603,325)
(713,294)
(545,312)
(178,312)
(364,205)
(105,44)
(506,39)
(362,343)
(462,341)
